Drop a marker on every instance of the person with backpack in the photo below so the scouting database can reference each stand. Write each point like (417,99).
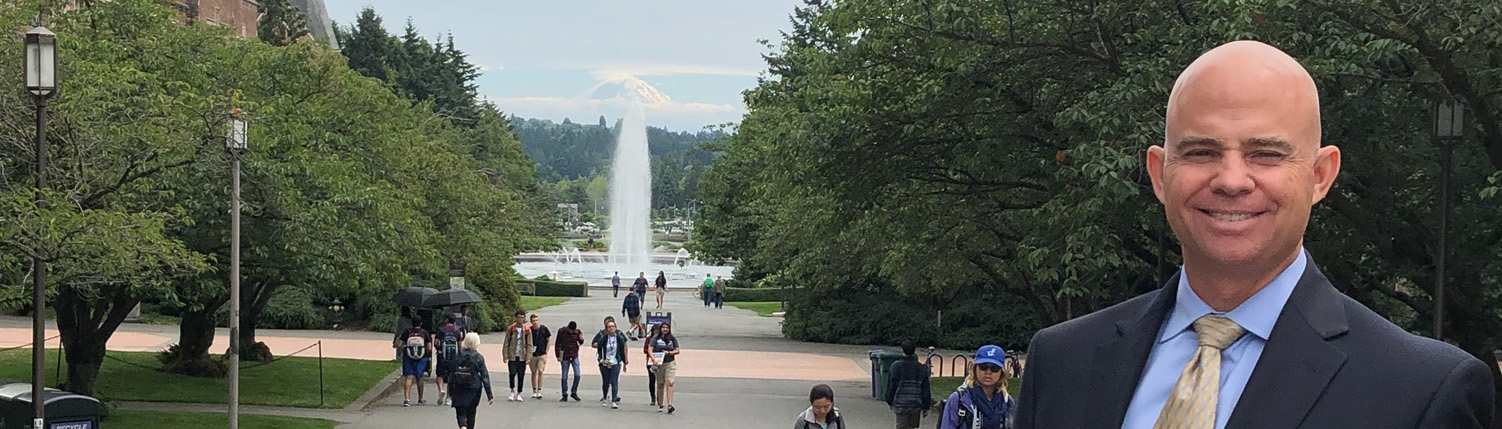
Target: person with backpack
(567,351)
(448,339)
(539,360)
(467,379)
(461,319)
(708,290)
(417,348)
(981,401)
(908,391)
(664,355)
(662,287)
(610,350)
(398,339)
(821,413)
(631,308)
(518,349)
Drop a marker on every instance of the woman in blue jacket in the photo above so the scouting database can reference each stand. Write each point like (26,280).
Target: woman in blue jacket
(982,402)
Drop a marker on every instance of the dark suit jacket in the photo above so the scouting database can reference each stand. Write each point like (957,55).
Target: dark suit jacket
(1329,363)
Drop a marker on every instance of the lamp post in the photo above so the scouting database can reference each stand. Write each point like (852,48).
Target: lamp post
(235,143)
(1449,119)
(41,83)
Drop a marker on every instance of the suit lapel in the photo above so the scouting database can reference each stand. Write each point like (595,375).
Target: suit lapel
(1298,361)
(1118,363)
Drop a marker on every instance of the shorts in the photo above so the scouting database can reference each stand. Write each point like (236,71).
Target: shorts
(446,367)
(636,320)
(909,420)
(537,363)
(667,372)
(414,367)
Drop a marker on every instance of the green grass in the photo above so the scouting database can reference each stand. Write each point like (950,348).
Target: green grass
(530,303)
(941,387)
(153,420)
(765,309)
(291,382)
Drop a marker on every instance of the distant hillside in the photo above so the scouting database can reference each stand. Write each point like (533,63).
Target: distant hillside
(571,154)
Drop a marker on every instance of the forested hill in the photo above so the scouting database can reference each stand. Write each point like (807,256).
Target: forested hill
(571,150)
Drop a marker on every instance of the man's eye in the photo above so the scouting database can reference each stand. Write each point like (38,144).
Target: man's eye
(1267,156)
(1199,153)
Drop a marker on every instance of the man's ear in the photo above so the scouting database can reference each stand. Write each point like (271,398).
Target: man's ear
(1156,157)
(1326,167)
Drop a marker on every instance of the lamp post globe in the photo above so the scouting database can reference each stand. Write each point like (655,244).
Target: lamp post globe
(41,62)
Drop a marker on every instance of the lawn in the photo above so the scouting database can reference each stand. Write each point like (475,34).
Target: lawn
(152,420)
(290,382)
(530,303)
(941,387)
(765,309)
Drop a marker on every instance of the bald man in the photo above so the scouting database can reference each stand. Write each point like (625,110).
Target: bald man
(1249,333)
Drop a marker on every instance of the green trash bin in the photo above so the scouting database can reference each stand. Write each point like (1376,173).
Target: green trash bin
(881,365)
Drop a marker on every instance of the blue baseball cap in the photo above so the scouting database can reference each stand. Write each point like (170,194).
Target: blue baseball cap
(990,354)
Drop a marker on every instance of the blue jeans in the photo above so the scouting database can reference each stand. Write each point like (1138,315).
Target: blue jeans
(719,300)
(566,364)
(707,297)
(611,379)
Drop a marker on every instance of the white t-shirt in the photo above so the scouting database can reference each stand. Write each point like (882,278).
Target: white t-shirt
(519,340)
(610,350)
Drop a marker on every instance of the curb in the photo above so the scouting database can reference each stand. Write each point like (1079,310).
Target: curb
(388,386)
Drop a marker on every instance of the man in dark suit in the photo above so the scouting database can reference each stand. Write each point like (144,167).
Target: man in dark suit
(1249,334)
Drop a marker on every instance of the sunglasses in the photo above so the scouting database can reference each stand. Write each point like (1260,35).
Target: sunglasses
(988,368)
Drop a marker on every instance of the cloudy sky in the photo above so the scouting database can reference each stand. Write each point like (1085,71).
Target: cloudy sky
(570,58)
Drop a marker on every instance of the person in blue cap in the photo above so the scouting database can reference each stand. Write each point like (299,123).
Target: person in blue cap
(982,402)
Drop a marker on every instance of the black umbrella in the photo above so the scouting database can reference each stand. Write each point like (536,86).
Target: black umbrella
(414,296)
(451,297)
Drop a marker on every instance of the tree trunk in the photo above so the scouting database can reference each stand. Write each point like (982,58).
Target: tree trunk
(196,333)
(86,325)
(84,359)
(253,304)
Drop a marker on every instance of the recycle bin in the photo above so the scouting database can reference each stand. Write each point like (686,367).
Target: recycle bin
(64,410)
(881,365)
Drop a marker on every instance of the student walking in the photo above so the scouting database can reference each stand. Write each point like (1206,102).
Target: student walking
(708,289)
(662,287)
(646,349)
(640,286)
(417,349)
(631,308)
(664,355)
(615,284)
(982,401)
(610,350)
(821,413)
(908,391)
(719,292)
(448,340)
(518,349)
(539,359)
(567,350)
(467,379)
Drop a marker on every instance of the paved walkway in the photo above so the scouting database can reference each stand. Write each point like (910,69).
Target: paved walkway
(736,371)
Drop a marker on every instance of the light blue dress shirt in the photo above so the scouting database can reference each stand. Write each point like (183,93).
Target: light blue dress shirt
(1177,343)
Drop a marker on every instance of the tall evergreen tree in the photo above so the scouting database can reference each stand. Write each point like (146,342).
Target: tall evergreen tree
(414,65)
(367,45)
(279,23)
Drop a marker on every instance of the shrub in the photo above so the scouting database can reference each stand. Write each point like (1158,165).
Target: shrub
(880,316)
(735,294)
(551,288)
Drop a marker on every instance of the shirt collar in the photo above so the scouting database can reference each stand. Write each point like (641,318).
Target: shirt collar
(1257,315)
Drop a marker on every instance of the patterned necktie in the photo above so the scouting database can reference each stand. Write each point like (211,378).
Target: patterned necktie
(1191,404)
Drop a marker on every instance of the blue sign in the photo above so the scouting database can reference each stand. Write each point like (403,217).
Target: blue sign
(86,424)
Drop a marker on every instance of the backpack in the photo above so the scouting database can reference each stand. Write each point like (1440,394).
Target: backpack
(464,375)
(417,346)
(450,344)
(967,419)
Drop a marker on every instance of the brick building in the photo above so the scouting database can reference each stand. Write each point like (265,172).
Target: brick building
(238,15)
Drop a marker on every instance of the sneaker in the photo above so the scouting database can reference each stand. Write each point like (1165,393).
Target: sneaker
(422,402)
(659,408)
(671,409)
(511,397)
(406,402)
(576,397)
(565,399)
(518,396)
(604,403)
(615,405)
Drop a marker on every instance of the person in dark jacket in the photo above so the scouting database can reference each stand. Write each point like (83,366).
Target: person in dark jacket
(640,286)
(821,413)
(466,398)
(908,390)
(567,350)
(631,308)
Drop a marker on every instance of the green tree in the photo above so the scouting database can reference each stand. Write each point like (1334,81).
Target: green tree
(367,45)
(280,24)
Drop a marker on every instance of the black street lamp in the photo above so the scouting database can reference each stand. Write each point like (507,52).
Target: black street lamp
(1449,126)
(236,144)
(41,83)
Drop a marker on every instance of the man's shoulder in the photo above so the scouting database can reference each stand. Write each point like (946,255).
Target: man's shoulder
(1375,341)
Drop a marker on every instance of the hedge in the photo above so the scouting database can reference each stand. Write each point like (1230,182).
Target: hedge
(736,294)
(882,316)
(552,288)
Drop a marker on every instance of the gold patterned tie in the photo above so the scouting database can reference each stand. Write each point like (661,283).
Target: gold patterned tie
(1191,404)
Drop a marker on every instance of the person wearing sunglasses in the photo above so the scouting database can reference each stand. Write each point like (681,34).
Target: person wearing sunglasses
(982,402)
